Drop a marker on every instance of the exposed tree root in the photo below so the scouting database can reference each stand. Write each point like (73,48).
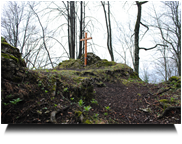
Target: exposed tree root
(164,91)
(54,113)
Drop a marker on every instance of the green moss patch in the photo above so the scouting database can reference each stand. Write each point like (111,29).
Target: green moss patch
(175,81)
(175,78)
(7,44)
(93,61)
(9,56)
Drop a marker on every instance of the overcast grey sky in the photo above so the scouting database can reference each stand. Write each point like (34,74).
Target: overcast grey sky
(123,14)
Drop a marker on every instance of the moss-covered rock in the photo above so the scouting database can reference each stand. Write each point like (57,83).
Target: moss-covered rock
(13,69)
(175,78)
(175,81)
(93,61)
(12,63)
(3,40)
(165,103)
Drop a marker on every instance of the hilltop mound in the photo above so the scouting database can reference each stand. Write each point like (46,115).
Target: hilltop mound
(93,61)
(102,92)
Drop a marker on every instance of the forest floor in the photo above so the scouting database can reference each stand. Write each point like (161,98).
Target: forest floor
(117,103)
(136,104)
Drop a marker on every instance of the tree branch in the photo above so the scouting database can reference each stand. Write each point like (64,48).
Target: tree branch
(43,35)
(143,2)
(146,30)
(60,44)
(153,47)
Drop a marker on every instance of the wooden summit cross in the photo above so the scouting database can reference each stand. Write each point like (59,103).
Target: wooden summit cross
(85,39)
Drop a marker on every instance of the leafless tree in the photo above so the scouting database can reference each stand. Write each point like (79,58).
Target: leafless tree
(169,25)
(71,27)
(136,34)
(43,36)
(68,10)
(20,29)
(165,66)
(73,21)
(82,28)
(109,32)
(11,18)
(16,25)
(125,42)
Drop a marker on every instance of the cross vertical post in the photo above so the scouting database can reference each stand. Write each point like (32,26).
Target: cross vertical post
(85,39)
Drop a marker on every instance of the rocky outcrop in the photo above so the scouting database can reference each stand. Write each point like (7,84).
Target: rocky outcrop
(12,65)
(93,61)
(91,58)
(13,73)
(17,81)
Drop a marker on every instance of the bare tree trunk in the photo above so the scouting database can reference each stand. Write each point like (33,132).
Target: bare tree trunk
(72,14)
(71,28)
(137,29)
(136,33)
(110,34)
(108,26)
(83,32)
(165,64)
(69,35)
(81,22)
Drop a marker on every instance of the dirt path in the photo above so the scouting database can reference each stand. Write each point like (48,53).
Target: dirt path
(135,103)
(127,102)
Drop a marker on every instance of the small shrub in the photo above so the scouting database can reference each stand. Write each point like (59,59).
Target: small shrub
(15,101)
(96,115)
(105,113)
(107,108)
(80,103)
(94,101)
(87,108)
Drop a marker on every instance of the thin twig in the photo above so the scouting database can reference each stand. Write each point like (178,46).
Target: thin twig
(146,119)
(146,101)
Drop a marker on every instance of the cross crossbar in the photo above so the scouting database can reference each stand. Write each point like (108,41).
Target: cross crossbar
(85,39)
